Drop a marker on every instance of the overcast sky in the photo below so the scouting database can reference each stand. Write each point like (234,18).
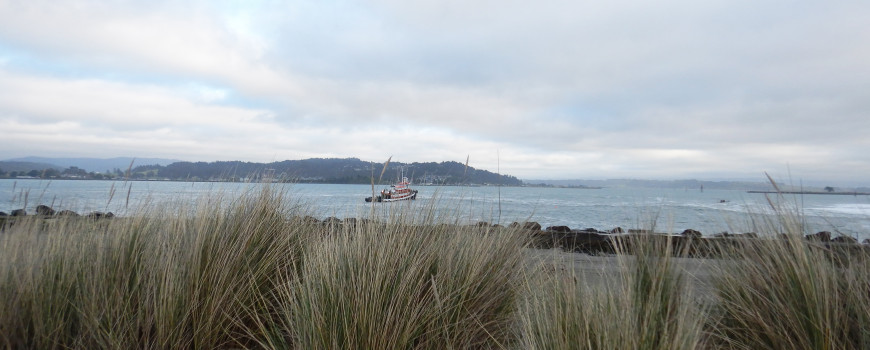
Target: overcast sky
(714,89)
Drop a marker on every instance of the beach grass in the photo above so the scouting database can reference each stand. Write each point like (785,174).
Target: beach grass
(787,292)
(255,271)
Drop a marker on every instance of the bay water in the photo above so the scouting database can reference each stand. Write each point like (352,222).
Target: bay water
(664,209)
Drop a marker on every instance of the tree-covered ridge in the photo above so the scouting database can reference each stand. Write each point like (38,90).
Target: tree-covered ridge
(324,170)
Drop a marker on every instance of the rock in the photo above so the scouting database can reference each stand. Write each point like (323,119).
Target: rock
(67,213)
(100,215)
(823,236)
(44,210)
(560,229)
(18,212)
(532,226)
(866,241)
(845,239)
(589,230)
(333,221)
(350,221)
(482,224)
(691,233)
(3,213)
(587,242)
(617,230)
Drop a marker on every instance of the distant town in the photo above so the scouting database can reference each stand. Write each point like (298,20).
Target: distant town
(344,171)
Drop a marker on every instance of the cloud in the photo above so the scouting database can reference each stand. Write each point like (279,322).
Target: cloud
(674,88)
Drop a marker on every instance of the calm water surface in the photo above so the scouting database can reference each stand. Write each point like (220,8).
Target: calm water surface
(668,209)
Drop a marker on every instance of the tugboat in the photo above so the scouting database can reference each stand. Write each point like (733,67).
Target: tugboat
(398,192)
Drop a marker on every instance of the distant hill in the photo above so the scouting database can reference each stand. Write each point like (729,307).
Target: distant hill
(89,164)
(23,167)
(325,170)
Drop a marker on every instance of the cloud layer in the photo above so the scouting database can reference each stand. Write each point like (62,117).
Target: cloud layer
(559,89)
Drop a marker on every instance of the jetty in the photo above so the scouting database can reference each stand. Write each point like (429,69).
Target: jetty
(815,192)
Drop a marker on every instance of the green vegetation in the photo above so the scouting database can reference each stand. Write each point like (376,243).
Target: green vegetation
(255,272)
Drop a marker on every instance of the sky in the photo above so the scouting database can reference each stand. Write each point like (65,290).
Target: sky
(669,89)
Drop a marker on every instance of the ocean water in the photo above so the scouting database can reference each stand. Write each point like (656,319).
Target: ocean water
(665,210)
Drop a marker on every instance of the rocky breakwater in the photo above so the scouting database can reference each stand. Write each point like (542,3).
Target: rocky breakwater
(47,212)
(688,243)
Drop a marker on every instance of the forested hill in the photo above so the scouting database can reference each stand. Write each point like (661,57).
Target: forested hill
(320,170)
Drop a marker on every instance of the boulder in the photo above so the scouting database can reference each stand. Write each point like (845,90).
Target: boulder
(3,213)
(617,230)
(560,229)
(350,221)
(822,236)
(67,213)
(310,220)
(691,233)
(332,221)
(845,239)
(532,226)
(100,215)
(44,210)
(18,212)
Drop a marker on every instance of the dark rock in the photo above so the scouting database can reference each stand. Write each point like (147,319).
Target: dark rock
(482,224)
(823,236)
(350,221)
(722,234)
(532,226)
(691,233)
(845,239)
(310,219)
(96,215)
(866,241)
(617,230)
(18,212)
(560,229)
(332,221)
(3,213)
(44,210)
(750,235)
(67,213)
(100,215)
(589,230)
(587,242)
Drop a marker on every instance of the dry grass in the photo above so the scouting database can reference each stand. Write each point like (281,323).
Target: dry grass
(646,305)
(250,272)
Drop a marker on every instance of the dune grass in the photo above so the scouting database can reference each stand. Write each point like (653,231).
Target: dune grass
(155,280)
(787,292)
(645,305)
(251,271)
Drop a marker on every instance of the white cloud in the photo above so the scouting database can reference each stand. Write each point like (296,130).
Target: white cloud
(559,89)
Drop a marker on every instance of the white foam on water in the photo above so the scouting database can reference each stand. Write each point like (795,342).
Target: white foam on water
(856,209)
